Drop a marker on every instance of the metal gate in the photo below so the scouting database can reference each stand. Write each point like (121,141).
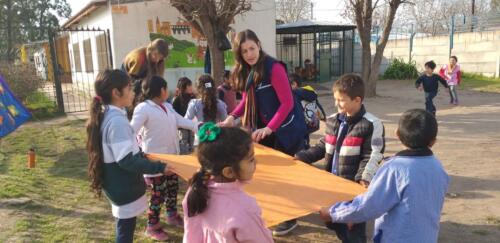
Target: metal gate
(76,57)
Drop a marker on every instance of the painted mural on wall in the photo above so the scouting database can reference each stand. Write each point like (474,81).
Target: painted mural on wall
(187,45)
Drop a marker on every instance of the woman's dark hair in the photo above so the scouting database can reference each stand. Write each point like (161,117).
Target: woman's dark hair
(417,128)
(241,68)
(104,85)
(454,57)
(152,87)
(206,87)
(230,147)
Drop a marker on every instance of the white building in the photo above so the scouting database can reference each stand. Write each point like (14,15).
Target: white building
(130,25)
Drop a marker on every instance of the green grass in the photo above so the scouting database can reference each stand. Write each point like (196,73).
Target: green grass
(479,82)
(61,208)
(41,106)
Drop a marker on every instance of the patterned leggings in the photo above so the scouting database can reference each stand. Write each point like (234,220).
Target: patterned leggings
(163,190)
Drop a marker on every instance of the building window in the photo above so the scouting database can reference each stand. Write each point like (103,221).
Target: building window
(87,52)
(102,52)
(76,59)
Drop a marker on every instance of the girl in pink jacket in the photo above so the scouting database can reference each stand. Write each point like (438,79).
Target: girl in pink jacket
(216,209)
(451,73)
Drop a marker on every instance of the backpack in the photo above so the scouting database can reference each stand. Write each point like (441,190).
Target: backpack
(313,113)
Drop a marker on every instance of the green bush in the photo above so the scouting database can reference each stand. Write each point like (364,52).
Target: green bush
(22,79)
(399,69)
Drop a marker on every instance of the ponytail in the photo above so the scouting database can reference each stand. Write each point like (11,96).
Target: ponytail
(230,146)
(94,145)
(104,85)
(208,97)
(198,195)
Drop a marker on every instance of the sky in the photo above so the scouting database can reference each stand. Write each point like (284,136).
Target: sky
(323,10)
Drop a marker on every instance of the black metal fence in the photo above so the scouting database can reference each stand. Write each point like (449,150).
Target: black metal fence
(318,56)
(75,57)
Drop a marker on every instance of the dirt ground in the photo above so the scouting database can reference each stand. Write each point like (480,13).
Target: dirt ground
(468,146)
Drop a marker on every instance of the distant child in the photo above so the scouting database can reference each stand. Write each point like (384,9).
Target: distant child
(157,122)
(216,209)
(406,195)
(116,164)
(313,111)
(226,93)
(184,94)
(353,145)
(453,76)
(429,81)
(207,107)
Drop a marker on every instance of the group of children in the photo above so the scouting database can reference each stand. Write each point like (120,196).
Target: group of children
(405,193)
(449,76)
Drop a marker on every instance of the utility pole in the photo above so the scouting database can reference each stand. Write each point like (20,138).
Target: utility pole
(473,6)
(472,17)
(312,11)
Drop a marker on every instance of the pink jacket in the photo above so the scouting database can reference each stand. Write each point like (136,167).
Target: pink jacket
(453,78)
(231,216)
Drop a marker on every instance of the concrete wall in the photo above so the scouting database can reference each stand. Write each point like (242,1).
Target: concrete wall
(477,52)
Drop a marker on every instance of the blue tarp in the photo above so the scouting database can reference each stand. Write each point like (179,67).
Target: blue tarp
(12,112)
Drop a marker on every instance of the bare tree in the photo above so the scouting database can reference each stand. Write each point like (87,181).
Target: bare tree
(293,10)
(363,11)
(212,18)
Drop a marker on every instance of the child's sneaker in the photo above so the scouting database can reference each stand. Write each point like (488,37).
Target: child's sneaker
(155,232)
(175,219)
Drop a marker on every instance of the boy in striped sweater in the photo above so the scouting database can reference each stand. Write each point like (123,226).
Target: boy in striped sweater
(353,145)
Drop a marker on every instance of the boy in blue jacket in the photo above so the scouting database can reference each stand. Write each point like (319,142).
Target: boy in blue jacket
(407,193)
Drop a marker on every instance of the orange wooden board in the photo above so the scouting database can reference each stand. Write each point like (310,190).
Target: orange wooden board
(284,188)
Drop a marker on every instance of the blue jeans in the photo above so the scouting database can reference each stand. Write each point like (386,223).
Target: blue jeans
(356,235)
(125,230)
(453,94)
(429,104)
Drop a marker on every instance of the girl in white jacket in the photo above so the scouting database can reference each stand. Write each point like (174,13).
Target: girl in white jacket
(157,123)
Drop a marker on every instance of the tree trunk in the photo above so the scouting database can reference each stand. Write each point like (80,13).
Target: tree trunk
(371,89)
(9,31)
(210,31)
(217,61)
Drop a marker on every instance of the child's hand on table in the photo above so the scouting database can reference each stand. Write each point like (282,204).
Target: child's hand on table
(364,183)
(324,213)
(169,170)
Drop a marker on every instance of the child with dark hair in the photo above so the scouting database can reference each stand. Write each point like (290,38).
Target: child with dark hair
(116,164)
(157,122)
(208,107)
(406,195)
(183,95)
(216,209)
(226,93)
(428,82)
(353,145)
(453,76)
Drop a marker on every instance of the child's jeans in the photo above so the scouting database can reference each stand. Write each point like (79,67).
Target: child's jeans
(186,141)
(163,190)
(125,230)
(429,104)
(356,235)
(453,94)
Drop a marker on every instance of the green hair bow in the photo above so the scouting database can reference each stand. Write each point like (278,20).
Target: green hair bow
(208,132)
